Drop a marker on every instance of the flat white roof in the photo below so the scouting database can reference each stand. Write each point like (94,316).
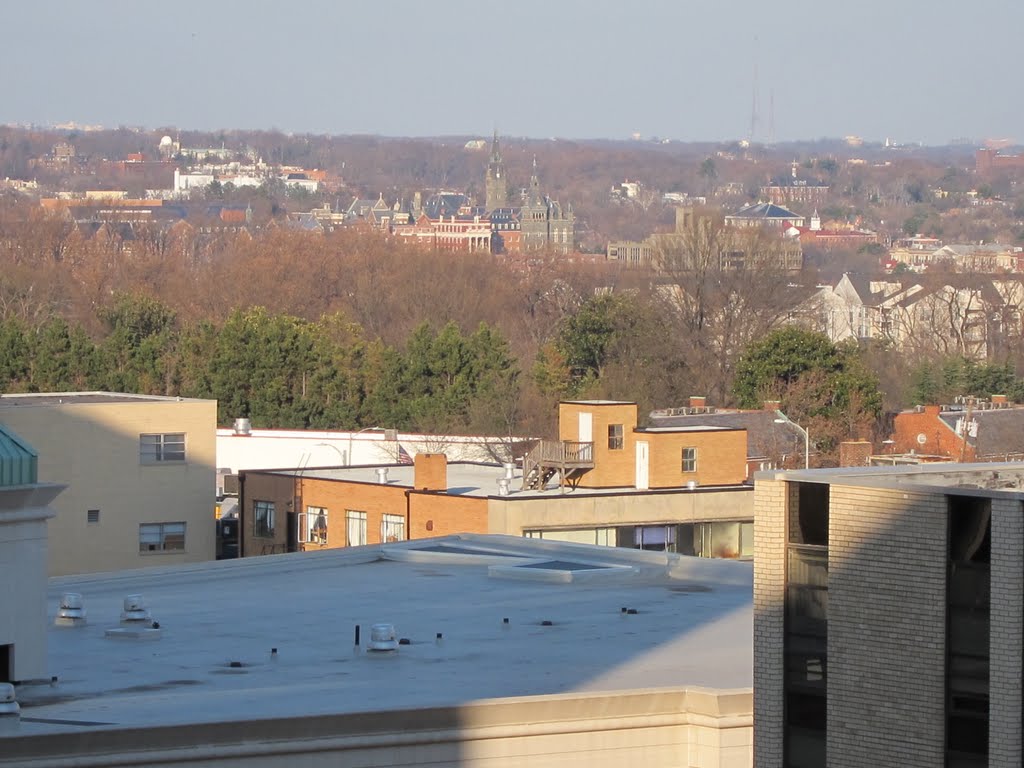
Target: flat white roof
(692,626)
(479,480)
(88,398)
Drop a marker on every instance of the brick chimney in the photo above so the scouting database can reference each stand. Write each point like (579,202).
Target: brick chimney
(933,410)
(698,401)
(855,453)
(430,472)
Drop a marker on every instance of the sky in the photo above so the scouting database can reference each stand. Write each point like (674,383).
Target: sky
(908,70)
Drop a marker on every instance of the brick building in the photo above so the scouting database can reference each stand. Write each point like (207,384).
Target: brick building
(888,616)
(974,430)
(605,481)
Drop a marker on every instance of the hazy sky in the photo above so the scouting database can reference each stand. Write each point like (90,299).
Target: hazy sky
(912,70)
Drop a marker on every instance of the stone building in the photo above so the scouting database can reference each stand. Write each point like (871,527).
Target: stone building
(542,221)
(888,616)
(496,185)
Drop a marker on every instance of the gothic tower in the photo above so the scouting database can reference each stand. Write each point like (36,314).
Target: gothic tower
(496,188)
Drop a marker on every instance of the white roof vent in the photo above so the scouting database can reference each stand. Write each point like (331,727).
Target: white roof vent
(136,623)
(382,638)
(243,427)
(691,485)
(382,475)
(503,486)
(71,612)
(10,712)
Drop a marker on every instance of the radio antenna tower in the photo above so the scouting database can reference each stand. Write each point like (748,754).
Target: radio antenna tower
(771,117)
(753,105)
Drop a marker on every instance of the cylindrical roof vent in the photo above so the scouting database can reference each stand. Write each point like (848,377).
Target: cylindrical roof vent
(382,475)
(503,484)
(243,427)
(510,470)
(8,702)
(382,638)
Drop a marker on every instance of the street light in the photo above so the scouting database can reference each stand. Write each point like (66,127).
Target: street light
(784,419)
(336,449)
(352,435)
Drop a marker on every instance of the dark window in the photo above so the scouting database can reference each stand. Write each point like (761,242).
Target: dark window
(155,448)
(615,439)
(808,523)
(968,605)
(263,519)
(92,516)
(805,636)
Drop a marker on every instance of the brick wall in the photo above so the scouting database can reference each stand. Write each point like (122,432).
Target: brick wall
(887,626)
(721,457)
(434,514)
(770,503)
(939,439)
(278,489)
(1007,625)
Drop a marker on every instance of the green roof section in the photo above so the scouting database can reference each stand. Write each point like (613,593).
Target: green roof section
(19,462)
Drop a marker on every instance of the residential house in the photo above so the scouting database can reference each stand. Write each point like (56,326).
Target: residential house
(949,314)
(973,429)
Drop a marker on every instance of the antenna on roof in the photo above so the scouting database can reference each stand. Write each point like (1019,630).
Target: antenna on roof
(753,105)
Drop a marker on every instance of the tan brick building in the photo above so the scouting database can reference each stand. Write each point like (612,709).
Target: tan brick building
(606,481)
(888,616)
(139,471)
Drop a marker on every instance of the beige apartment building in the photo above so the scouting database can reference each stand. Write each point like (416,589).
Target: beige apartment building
(888,616)
(140,476)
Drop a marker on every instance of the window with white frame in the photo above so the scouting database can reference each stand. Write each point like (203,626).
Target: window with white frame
(392,528)
(313,526)
(161,447)
(689,459)
(263,519)
(161,537)
(355,528)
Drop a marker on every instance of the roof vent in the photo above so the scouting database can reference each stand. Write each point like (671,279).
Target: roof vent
(243,427)
(10,712)
(691,485)
(503,483)
(510,471)
(382,475)
(382,638)
(136,623)
(71,613)
(391,434)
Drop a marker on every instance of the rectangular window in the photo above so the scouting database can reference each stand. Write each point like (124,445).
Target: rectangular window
(161,537)
(689,459)
(615,439)
(355,528)
(313,526)
(263,519)
(92,516)
(392,528)
(968,625)
(157,448)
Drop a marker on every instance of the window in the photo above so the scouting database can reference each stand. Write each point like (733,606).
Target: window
(92,516)
(161,447)
(161,537)
(689,459)
(615,437)
(392,528)
(355,528)
(313,526)
(263,519)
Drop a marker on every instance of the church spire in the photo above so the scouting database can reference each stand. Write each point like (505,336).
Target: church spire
(495,188)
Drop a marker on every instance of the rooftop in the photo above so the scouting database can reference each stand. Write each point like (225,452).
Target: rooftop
(997,479)
(84,398)
(692,625)
(471,479)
